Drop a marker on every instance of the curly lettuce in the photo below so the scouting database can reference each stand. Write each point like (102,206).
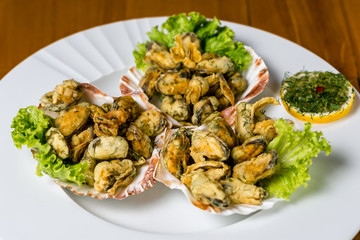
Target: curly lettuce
(214,38)
(139,55)
(295,150)
(223,45)
(30,126)
(174,25)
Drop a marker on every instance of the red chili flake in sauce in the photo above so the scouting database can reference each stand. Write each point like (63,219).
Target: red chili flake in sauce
(319,89)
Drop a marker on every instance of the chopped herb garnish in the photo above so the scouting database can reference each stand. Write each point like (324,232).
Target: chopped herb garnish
(315,92)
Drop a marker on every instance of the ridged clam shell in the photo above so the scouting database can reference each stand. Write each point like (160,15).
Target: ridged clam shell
(256,74)
(164,176)
(145,173)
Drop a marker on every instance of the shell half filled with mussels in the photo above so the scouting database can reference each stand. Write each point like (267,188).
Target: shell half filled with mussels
(189,85)
(218,171)
(115,137)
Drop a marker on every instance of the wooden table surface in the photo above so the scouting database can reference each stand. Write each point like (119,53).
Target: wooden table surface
(329,28)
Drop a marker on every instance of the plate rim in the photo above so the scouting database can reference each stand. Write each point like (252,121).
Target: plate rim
(19,65)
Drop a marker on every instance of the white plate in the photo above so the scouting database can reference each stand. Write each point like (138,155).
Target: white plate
(36,208)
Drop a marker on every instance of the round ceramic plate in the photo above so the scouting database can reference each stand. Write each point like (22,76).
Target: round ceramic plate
(36,208)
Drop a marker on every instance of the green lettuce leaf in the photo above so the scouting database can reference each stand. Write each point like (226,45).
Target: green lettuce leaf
(180,23)
(214,38)
(221,43)
(224,45)
(296,150)
(139,53)
(30,126)
(174,25)
(197,20)
(239,55)
(208,29)
(166,39)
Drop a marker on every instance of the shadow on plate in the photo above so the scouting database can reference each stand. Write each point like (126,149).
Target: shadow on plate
(322,169)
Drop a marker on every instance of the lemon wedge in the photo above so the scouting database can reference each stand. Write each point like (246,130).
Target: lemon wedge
(317,97)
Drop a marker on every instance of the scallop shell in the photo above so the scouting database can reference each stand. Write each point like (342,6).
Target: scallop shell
(145,173)
(256,74)
(164,176)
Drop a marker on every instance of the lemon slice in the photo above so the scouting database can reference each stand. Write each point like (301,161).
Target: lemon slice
(317,97)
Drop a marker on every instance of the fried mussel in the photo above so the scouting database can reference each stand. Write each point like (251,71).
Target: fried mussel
(221,167)
(113,139)
(190,82)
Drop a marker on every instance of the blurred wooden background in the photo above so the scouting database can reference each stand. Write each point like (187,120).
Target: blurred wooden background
(329,28)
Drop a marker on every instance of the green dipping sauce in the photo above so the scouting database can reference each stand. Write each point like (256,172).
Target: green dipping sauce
(316,92)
